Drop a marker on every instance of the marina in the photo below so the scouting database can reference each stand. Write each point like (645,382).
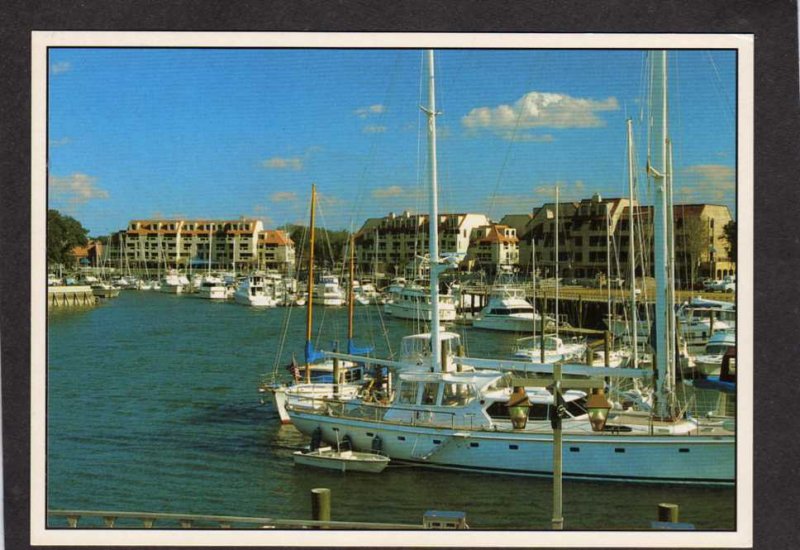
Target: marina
(571,359)
(167,418)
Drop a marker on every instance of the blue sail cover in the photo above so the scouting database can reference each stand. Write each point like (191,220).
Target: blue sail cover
(353,350)
(312,354)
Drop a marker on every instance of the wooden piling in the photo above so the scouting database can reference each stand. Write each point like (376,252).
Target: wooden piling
(321,504)
(668,512)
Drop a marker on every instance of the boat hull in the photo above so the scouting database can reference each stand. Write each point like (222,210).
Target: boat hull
(696,459)
(505,323)
(343,462)
(447,313)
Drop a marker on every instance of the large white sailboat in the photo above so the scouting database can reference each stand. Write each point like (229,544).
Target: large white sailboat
(456,413)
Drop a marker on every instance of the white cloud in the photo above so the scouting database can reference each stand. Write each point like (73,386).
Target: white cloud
(283,163)
(364,112)
(75,189)
(283,196)
(386,192)
(706,182)
(374,129)
(60,67)
(567,191)
(539,110)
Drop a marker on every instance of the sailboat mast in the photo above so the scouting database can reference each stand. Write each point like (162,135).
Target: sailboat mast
(533,279)
(632,249)
(350,300)
(433,220)
(661,219)
(310,287)
(556,308)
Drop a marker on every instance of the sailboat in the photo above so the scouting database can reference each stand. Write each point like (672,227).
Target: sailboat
(459,413)
(325,378)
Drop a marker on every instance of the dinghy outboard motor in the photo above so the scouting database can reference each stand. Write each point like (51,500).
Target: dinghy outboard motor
(316,439)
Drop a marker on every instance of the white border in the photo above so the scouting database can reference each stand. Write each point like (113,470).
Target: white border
(743,537)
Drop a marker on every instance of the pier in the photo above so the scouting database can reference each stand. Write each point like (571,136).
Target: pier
(70,296)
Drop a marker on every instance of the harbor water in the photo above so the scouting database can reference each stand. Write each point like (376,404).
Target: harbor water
(152,406)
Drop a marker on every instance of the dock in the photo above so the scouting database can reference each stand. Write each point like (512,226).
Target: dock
(70,296)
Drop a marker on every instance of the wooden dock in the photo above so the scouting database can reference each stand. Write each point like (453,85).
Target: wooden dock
(70,296)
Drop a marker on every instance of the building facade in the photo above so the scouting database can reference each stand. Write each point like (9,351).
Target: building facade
(392,246)
(592,231)
(493,247)
(239,245)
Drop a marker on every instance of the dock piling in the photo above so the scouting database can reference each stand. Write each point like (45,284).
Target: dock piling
(321,504)
(668,512)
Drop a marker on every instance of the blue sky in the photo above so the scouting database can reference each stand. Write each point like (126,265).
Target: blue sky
(200,133)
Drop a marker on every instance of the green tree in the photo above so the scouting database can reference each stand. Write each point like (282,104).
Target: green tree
(63,234)
(329,246)
(695,238)
(729,234)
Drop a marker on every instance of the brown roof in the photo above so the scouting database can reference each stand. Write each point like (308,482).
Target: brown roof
(274,236)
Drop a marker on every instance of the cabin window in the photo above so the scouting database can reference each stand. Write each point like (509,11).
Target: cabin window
(513,447)
(429,391)
(456,395)
(619,450)
(408,392)
(574,449)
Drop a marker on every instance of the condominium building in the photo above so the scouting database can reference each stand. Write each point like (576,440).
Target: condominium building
(218,244)
(393,245)
(493,247)
(592,231)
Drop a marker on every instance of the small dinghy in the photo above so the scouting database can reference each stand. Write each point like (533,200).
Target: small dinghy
(343,461)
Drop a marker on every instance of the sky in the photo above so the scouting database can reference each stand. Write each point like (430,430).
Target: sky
(226,133)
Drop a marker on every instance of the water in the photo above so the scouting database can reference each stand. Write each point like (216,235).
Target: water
(153,406)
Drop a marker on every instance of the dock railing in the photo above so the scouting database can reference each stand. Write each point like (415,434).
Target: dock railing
(148,520)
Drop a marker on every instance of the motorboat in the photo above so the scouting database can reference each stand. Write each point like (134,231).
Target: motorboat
(252,291)
(709,363)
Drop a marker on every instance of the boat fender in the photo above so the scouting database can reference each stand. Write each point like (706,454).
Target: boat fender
(377,444)
(347,443)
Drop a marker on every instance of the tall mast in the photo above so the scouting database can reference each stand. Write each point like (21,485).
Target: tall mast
(557,209)
(310,308)
(608,259)
(350,304)
(533,279)
(663,341)
(632,248)
(433,220)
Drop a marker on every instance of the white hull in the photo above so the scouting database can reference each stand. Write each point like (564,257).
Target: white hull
(420,312)
(344,461)
(213,292)
(258,300)
(172,289)
(329,301)
(691,459)
(504,323)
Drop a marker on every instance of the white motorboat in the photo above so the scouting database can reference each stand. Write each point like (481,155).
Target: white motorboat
(175,283)
(413,301)
(211,290)
(327,291)
(343,461)
(555,349)
(252,291)
(509,311)
(710,362)
(450,416)
(699,318)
